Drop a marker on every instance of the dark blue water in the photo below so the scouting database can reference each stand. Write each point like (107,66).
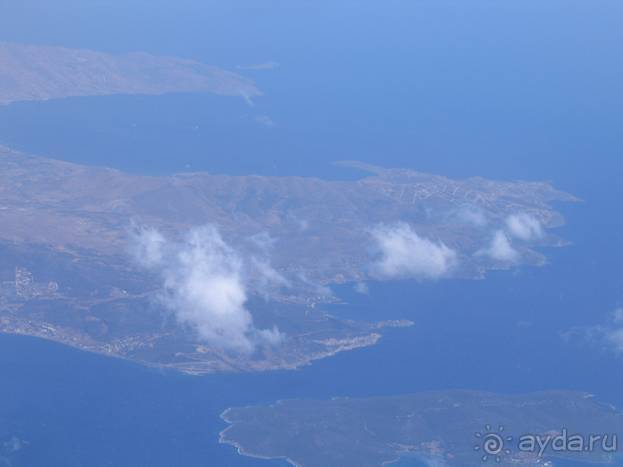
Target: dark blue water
(504,90)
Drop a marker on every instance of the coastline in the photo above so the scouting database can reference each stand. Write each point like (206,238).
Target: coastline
(197,368)
(241,450)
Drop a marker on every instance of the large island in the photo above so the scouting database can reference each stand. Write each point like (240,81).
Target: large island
(202,272)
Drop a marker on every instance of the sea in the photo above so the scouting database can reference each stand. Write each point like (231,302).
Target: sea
(504,90)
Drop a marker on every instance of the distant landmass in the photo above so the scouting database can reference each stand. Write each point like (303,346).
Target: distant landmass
(130,266)
(34,73)
(449,428)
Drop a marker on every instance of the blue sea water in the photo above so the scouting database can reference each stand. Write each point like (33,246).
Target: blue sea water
(501,334)
(505,90)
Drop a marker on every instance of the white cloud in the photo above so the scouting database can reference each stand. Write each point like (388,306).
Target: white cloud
(501,249)
(312,286)
(613,333)
(361,288)
(205,284)
(472,215)
(149,249)
(608,335)
(266,279)
(614,337)
(520,226)
(405,254)
(524,227)
(263,241)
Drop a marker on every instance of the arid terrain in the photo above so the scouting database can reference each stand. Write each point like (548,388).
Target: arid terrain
(70,270)
(34,73)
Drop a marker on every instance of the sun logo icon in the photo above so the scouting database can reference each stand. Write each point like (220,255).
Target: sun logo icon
(493,444)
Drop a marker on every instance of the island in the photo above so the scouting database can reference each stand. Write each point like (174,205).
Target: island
(202,272)
(453,428)
(37,72)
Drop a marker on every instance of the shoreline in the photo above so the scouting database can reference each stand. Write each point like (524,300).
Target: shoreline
(347,344)
(241,450)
